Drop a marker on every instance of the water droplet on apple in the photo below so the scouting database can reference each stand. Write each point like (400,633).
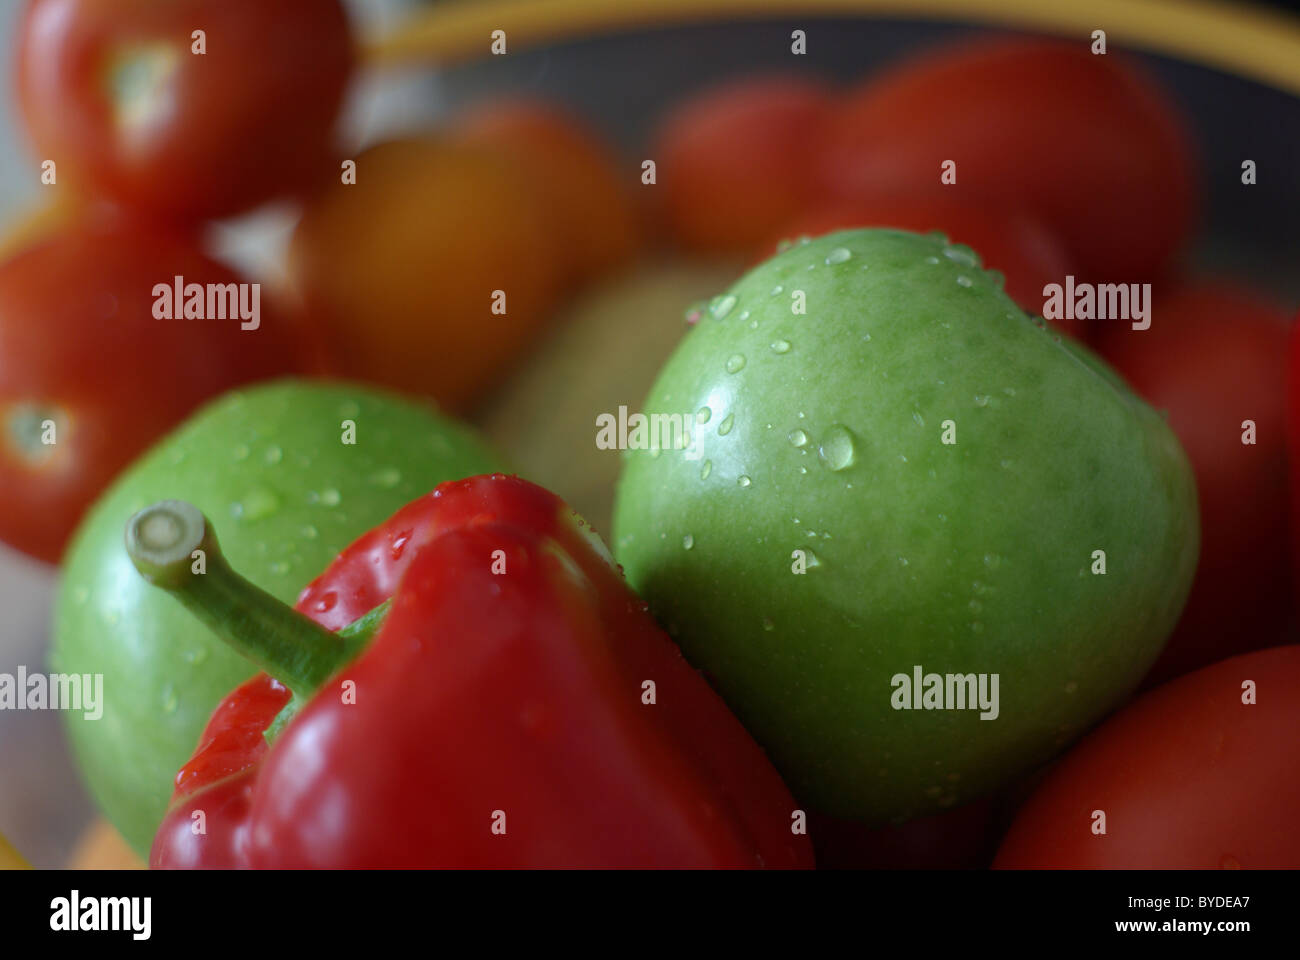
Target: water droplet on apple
(743,480)
(257,504)
(735,363)
(962,254)
(721,306)
(838,450)
(725,426)
(798,437)
(688,542)
(706,469)
(838,255)
(781,346)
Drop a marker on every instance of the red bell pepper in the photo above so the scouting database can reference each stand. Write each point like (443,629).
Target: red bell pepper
(514,706)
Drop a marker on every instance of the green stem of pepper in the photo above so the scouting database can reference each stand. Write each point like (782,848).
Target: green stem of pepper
(174,547)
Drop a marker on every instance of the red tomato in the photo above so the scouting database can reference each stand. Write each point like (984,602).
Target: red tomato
(1086,142)
(575,178)
(1188,777)
(85,363)
(1026,252)
(736,164)
(113,92)
(1213,358)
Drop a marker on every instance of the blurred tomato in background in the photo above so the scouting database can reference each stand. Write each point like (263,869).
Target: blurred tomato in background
(1214,359)
(89,376)
(1084,141)
(431,273)
(187,109)
(584,188)
(737,162)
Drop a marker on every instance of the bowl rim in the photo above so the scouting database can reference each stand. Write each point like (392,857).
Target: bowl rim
(1255,43)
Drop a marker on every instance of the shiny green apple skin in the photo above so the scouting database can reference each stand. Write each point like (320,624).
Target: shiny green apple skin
(269,466)
(823,432)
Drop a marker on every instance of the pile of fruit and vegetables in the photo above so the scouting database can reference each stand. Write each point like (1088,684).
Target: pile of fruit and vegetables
(841,483)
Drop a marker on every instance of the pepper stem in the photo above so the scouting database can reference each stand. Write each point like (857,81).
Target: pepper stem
(174,547)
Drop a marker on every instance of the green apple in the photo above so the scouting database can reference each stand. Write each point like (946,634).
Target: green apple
(919,541)
(295,471)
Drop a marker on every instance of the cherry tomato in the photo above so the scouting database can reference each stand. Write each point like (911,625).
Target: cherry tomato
(1189,776)
(1084,141)
(1214,358)
(116,93)
(580,184)
(1016,243)
(89,376)
(736,164)
(433,272)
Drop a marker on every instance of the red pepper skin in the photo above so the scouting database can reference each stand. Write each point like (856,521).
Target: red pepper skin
(485,694)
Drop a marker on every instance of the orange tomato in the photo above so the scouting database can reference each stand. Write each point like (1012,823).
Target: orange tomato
(431,273)
(582,189)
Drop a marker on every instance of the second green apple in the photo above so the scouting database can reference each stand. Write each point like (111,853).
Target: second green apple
(897,474)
